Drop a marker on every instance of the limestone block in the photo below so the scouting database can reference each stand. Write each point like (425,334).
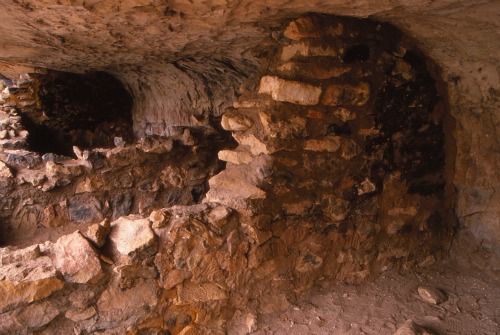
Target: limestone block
(307,49)
(255,146)
(37,315)
(235,156)
(346,94)
(411,328)
(76,259)
(344,114)
(131,234)
(159,218)
(5,172)
(156,145)
(303,27)
(89,185)
(292,127)
(366,187)
(227,185)
(328,144)
(432,295)
(62,174)
(349,149)
(97,233)
(313,70)
(290,91)
(234,187)
(23,283)
(235,122)
(9,255)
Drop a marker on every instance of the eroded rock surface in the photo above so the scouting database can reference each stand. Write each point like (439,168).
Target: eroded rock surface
(340,170)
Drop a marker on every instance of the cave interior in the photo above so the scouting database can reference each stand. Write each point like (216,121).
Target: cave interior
(206,168)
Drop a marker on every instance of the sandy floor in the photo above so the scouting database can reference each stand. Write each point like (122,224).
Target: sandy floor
(381,306)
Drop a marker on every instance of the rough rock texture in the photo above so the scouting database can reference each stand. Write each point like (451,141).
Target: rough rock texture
(76,259)
(182,60)
(41,192)
(344,167)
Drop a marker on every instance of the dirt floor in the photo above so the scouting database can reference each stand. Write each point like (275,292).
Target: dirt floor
(382,306)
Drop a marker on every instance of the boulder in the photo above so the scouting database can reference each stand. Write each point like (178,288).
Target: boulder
(76,259)
(27,281)
(290,91)
(131,234)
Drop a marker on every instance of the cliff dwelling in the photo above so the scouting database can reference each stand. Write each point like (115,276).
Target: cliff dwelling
(231,167)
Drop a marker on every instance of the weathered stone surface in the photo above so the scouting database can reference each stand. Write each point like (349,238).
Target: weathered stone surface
(328,144)
(235,122)
(366,187)
(313,70)
(81,299)
(33,280)
(219,217)
(308,262)
(253,144)
(349,149)
(89,185)
(242,323)
(97,233)
(156,145)
(292,127)
(290,91)
(60,175)
(346,95)
(37,314)
(76,259)
(432,295)
(234,187)
(121,205)
(203,292)
(303,27)
(229,187)
(123,307)
(174,278)
(5,172)
(78,316)
(258,236)
(411,328)
(159,218)
(10,255)
(85,209)
(10,325)
(307,49)
(235,157)
(131,234)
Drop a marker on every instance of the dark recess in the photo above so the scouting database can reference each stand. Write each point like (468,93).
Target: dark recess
(84,110)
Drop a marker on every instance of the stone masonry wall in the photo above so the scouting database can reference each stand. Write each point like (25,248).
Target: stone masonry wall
(340,173)
(342,150)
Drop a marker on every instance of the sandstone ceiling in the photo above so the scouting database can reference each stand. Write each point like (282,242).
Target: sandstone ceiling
(183,60)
